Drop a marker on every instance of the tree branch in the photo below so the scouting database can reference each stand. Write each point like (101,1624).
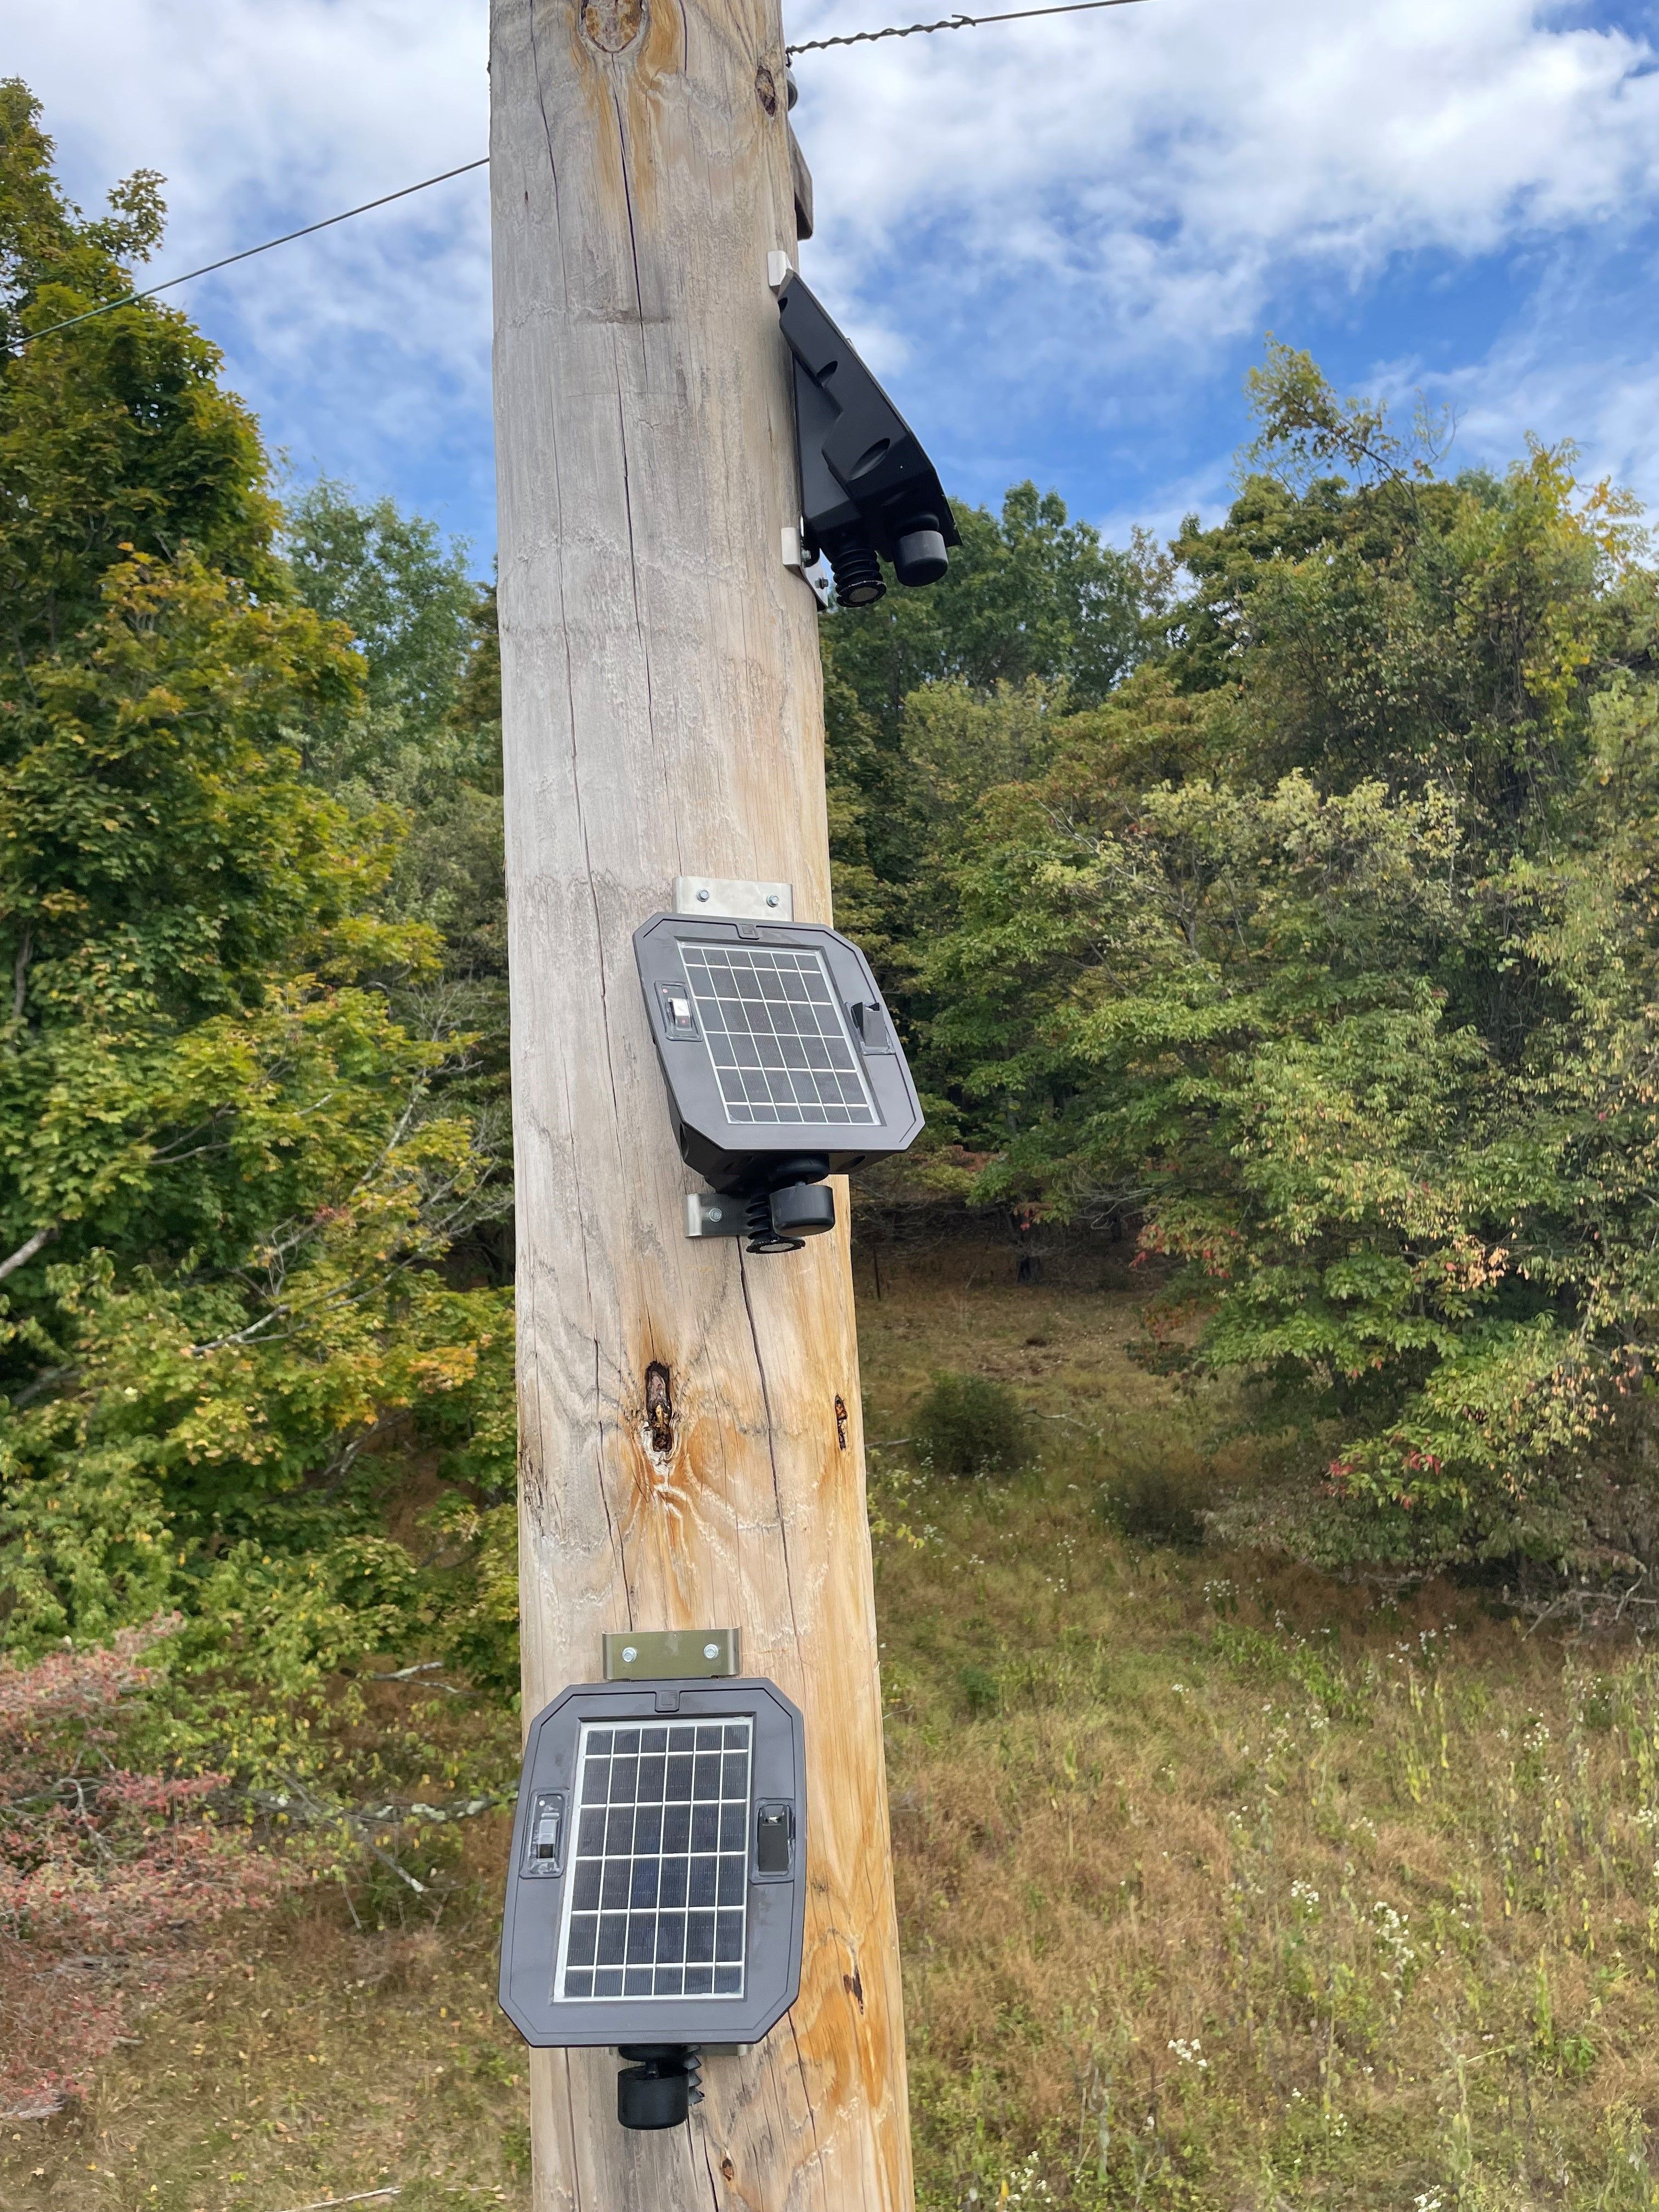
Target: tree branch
(27,1251)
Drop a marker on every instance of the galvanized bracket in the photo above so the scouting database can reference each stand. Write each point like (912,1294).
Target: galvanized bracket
(657,1655)
(814,572)
(727,898)
(707,1214)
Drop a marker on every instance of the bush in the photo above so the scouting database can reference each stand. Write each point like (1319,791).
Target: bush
(970,1425)
(103,1867)
(1158,1506)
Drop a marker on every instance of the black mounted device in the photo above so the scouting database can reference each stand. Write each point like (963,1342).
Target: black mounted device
(781,1067)
(866,486)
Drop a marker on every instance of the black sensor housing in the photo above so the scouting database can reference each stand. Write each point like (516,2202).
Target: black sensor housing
(660,1824)
(866,486)
(780,1060)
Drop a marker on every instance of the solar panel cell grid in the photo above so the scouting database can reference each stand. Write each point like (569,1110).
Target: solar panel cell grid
(658,1890)
(775,1032)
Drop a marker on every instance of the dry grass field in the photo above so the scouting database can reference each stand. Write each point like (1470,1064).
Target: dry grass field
(1222,1886)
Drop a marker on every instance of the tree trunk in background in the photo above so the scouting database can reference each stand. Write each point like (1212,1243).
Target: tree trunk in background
(663,715)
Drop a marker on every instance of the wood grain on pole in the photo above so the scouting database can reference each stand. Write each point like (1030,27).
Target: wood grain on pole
(663,715)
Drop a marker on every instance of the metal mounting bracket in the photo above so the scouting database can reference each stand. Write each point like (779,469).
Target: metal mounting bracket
(816,574)
(707,1214)
(729,898)
(672,1655)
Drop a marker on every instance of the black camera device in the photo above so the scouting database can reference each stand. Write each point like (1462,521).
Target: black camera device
(866,486)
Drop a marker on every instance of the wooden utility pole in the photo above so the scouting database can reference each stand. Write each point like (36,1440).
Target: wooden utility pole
(662,715)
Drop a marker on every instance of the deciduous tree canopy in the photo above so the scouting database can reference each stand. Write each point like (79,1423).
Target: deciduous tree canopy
(1323,946)
(241,1131)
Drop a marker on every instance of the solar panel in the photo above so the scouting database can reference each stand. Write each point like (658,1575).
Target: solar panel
(657,1900)
(774,1031)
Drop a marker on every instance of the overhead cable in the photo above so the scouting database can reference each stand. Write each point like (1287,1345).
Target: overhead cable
(306,230)
(247,253)
(952,23)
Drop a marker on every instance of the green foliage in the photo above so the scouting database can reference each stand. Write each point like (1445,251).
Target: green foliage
(1159,1505)
(1322,946)
(1032,601)
(421,743)
(405,597)
(424,732)
(971,1425)
(247,1147)
(241,1160)
(114,437)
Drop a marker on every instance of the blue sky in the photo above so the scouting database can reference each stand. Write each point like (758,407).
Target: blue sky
(1061,242)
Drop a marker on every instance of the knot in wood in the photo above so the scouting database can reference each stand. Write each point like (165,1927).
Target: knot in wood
(612,25)
(766,89)
(840,1420)
(660,1409)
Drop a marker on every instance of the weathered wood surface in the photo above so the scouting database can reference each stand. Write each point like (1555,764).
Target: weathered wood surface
(663,715)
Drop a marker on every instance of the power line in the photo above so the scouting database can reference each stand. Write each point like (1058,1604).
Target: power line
(248,252)
(952,23)
(306,230)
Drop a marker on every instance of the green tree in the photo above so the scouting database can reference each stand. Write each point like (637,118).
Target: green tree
(1034,604)
(238,1149)
(116,435)
(226,1167)
(423,738)
(1325,947)
(424,734)
(407,600)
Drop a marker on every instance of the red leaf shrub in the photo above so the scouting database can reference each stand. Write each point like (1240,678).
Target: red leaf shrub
(109,1879)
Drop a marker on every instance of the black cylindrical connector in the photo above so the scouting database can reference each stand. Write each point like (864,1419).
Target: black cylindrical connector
(803,1209)
(920,555)
(857,571)
(659,2089)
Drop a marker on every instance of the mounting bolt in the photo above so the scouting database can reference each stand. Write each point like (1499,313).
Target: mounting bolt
(711,1650)
(771,898)
(629,1655)
(703,895)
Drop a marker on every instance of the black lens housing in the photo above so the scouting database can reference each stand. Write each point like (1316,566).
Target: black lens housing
(868,491)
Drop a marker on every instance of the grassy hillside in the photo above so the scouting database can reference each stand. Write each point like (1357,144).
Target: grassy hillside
(1222,1886)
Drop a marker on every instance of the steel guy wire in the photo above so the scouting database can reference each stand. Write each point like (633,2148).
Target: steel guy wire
(148,291)
(952,23)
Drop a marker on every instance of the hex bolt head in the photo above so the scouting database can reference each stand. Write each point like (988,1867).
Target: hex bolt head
(630,1653)
(711,1650)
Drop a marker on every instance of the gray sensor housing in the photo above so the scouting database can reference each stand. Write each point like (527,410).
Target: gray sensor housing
(657,1887)
(777,1050)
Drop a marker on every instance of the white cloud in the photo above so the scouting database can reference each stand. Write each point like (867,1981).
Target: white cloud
(1174,160)
(1081,215)
(358,347)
